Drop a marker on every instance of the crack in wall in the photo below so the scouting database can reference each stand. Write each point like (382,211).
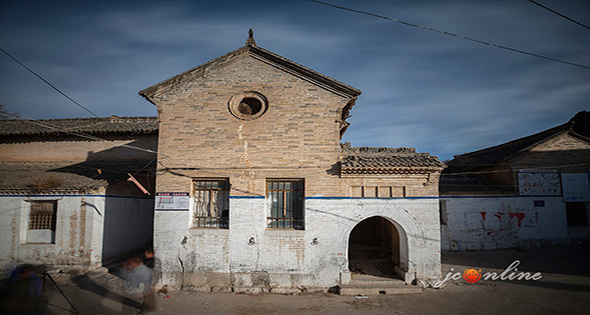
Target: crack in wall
(246,160)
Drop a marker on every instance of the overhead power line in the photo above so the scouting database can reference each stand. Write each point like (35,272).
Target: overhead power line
(452,34)
(47,82)
(90,137)
(76,133)
(563,16)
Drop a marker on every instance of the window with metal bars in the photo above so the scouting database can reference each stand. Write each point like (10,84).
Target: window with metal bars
(211,203)
(286,204)
(43,215)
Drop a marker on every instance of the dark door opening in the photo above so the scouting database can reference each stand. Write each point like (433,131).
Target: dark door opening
(374,248)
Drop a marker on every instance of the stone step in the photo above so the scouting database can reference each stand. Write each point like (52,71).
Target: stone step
(378,283)
(374,289)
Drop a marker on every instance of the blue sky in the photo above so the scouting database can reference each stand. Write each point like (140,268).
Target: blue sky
(421,89)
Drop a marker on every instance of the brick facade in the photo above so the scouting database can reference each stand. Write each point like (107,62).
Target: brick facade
(297,137)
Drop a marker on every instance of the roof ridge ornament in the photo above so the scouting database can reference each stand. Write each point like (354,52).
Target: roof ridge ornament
(250,41)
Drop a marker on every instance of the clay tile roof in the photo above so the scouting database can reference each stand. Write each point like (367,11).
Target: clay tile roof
(452,184)
(106,125)
(578,126)
(425,161)
(364,160)
(63,177)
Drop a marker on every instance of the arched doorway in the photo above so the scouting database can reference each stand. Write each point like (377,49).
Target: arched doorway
(374,248)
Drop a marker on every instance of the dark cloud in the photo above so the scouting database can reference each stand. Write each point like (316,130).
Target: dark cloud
(420,89)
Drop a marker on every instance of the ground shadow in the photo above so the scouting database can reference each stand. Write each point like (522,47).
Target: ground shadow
(85,283)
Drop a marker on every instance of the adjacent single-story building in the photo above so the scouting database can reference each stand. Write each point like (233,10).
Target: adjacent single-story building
(529,192)
(65,198)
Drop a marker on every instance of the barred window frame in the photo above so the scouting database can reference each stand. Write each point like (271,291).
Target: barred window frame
(42,215)
(286,203)
(210,203)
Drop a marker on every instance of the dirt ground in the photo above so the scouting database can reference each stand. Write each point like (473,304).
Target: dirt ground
(563,289)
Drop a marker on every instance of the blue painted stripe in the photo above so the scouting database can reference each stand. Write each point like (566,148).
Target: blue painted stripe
(398,198)
(104,196)
(246,197)
(332,198)
(309,198)
(500,196)
(360,198)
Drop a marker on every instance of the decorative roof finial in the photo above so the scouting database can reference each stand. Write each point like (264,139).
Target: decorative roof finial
(250,41)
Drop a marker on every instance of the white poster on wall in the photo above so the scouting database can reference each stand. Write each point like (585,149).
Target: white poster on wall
(174,201)
(539,182)
(576,187)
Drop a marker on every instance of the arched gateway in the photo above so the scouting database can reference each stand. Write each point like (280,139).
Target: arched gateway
(376,246)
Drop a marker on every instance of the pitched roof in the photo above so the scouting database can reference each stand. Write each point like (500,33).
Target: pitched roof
(470,184)
(368,160)
(106,125)
(64,177)
(578,126)
(250,49)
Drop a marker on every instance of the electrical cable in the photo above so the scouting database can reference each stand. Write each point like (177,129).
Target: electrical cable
(563,16)
(166,169)
(453,35)
(47,82)
(80,134)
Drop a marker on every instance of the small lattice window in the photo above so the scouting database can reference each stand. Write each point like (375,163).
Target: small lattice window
(43,215)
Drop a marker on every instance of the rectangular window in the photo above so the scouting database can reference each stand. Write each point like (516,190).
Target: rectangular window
(42,221)
(286,204)
(211,204)
(443,212)
(539,203)
(577,213)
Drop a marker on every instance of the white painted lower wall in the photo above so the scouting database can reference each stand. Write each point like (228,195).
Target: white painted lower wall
(250,257)
(78,238)
(78,235)
(488,223)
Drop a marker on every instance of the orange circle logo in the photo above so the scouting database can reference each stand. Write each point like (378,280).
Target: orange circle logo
(472,275)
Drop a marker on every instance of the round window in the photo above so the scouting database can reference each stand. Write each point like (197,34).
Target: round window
(248,105)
